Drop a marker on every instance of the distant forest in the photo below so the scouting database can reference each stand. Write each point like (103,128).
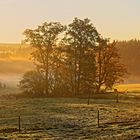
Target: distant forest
(14,59)
(129,52)
(130,56)
(14,50)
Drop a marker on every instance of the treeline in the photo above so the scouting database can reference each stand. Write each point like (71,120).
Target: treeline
(130,55)
(71,60)
(14,50)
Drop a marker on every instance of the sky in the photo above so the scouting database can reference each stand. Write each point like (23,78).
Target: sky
(115,19)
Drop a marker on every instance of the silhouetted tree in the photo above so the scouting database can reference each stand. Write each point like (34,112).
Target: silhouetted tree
(80,62)
(43,40)
(109,68)
(81,39)
(32,83)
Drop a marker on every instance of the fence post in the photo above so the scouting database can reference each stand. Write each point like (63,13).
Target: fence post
(88,98)
(117,95)
(19,124)
(98,117)
(117,101)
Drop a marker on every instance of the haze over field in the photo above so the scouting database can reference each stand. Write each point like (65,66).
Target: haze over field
(114,19)
(14,62)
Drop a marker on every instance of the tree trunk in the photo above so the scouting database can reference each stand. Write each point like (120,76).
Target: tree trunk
(75,74)
(98,88)
(46,75)
(79,77)
(81,53)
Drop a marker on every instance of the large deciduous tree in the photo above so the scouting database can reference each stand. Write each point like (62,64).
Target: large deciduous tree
(81,39)
(80,62)
(44,39)
(109,68)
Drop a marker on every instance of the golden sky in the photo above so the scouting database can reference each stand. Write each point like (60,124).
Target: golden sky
(115,19)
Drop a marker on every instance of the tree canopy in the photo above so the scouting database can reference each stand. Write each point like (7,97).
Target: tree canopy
(78,61)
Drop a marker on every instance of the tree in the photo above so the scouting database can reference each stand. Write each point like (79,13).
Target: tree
(44,39)
(81,62)
(59,73)
(81,39)
(109,68)
(32,83)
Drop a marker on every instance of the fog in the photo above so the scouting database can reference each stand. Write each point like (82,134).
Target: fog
(11,70)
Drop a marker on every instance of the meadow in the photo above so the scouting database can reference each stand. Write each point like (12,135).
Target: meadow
(129,88)
(69,118)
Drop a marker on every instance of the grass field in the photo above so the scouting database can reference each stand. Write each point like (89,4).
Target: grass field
(129,87)
(69,119)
